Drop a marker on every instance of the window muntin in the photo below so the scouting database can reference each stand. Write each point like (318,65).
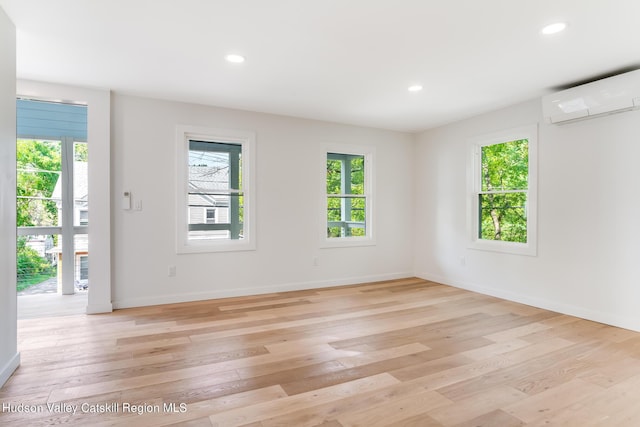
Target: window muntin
(215,207)
(502,207)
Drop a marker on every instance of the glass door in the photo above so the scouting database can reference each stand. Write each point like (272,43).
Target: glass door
(52,198)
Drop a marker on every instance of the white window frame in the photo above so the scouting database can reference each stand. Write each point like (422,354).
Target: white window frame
(246,140)
(474,187)
(369,194)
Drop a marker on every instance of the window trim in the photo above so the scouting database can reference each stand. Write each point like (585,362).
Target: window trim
(246,140)
(474,188)
(369,195)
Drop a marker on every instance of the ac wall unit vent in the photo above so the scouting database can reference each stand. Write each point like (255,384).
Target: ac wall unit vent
(607,96)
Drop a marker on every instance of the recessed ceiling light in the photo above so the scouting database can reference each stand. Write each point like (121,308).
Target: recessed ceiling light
(554,28)
(414,88)
(236,59)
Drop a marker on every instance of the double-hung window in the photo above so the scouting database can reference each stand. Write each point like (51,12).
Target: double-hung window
(503,198)
(348,197)
(215,190)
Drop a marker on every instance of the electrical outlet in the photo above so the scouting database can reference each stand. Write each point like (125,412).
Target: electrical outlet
(172,271)
(316,261)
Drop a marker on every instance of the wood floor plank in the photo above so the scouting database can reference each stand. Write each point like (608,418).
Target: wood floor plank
(529,361)
(609,374)
(199,412)
(497,418)
(551,401)
(327,412)
(395,411)
(260,411)
(406,352)
(616,406)
(477,405)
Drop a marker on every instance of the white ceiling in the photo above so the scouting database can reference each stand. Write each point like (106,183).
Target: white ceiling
(347,61)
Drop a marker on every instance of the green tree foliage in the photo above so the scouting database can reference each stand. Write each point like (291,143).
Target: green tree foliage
(38,165)
(81,152)
(32,268)
(505,174)
(354,184)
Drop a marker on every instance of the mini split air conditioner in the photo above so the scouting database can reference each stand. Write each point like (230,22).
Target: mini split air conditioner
(607,96)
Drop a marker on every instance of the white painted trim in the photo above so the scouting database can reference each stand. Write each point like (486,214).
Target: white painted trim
(200,296)
(68,232)
(99,309)
(247,139)
(571,310)
(9,368)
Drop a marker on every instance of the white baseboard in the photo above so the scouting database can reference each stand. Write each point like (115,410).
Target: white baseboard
(571,310)
(226,293)
(9,368)
(99,308)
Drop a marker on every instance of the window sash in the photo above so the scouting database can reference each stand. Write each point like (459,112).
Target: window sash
(498,192)
(234,192)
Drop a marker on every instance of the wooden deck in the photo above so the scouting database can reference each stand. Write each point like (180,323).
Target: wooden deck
(403,353)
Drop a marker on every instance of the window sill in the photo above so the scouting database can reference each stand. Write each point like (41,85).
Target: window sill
(209,247)
(347,242)
(504,247)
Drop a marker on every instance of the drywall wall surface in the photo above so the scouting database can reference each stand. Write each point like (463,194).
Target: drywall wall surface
(588,203)
(290,167)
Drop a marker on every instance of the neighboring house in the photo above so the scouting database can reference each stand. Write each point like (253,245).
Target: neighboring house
(42,245)
(207,203)
(80,218)
(81,262)
(80,195)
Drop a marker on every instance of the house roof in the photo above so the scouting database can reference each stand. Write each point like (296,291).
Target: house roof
(333,60)
(206,181)
(81,242)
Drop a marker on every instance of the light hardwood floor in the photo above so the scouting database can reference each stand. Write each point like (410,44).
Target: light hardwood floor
(404,353)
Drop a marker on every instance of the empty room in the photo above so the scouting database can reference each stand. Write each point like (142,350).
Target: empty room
(319,213)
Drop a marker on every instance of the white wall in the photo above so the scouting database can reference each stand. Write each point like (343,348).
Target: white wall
(588,209)
(289,171)
(9,357)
